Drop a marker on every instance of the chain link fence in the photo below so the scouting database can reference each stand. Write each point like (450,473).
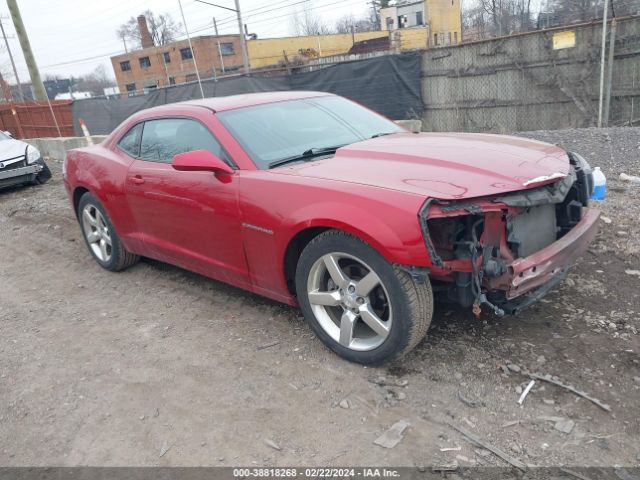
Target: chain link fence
(535,81)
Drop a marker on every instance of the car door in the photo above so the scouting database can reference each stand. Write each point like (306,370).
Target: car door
(187,218)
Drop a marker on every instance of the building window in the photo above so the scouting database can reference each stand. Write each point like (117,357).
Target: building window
(418,18)
(145,62)
(227,49)
(186,53)
(125,66)
(192,77)
(172,80)
(449,38)
(442,39)
(131,87)
(455,37)
(167,57)
(435,39)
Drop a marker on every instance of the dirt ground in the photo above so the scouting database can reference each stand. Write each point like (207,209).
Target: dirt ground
(158,366)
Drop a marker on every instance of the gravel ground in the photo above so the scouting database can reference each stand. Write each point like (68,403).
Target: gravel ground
(158,366)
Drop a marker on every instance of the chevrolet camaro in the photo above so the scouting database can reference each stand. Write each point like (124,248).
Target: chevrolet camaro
(315,201)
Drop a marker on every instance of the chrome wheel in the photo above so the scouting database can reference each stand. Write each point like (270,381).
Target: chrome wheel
(97,233)
(349,301)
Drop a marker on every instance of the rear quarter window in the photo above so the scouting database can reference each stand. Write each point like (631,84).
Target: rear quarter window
(130,141)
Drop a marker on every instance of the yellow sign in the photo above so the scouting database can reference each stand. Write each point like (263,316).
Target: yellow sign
(564,40)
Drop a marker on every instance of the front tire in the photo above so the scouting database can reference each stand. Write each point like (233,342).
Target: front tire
(44,175)
(362,307)
(101,237)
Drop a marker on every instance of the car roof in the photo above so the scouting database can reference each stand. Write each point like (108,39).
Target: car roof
(232,102)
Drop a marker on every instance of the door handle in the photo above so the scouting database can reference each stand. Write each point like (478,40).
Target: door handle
(138,180)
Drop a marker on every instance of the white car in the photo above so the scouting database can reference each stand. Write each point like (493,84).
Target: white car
(20,163)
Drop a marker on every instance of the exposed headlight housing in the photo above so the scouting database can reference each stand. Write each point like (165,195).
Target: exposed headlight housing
(33,154)
(584,177)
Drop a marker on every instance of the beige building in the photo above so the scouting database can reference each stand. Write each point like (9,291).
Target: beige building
(442,18)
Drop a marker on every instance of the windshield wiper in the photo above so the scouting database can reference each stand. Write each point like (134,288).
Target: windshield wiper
(306,155)
(383,134)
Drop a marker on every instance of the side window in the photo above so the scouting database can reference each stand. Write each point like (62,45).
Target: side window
(163,139)
(130,142)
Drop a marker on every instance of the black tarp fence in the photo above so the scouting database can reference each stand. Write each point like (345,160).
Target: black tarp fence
(389,85)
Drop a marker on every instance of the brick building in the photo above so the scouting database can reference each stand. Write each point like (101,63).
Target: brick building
(160,66)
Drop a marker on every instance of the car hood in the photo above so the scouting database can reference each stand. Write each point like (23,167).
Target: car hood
(10,149)
(443,166)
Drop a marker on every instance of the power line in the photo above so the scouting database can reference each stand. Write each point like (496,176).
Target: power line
(81,60)
(288,14)
(224,20)
(256,9)
(208,27)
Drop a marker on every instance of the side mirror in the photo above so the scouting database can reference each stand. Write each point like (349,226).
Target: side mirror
(200,161)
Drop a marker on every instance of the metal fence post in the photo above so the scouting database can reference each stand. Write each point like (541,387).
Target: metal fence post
(602,62)
(612,48)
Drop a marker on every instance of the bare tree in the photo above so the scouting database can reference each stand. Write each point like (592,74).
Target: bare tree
(572,11)
(307,22)
(162,27)
(492,18)
(376,5)
(349,23)
(95,82)
(474,22)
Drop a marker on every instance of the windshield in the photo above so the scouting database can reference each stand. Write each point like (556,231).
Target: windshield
(4,136)
(278,131)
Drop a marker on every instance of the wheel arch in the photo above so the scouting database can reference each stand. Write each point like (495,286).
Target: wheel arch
(78,192)
(292,253)
(307,232)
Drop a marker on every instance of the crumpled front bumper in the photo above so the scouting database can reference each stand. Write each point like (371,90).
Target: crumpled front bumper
(16,176)
(543,267)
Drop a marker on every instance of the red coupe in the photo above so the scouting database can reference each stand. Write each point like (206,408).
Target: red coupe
(313,200)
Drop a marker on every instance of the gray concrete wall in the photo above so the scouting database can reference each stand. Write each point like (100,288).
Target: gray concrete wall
(56,148)
(521,83)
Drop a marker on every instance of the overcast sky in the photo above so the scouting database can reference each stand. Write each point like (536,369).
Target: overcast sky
(73,37)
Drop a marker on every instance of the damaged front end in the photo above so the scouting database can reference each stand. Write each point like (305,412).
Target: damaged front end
(507,252)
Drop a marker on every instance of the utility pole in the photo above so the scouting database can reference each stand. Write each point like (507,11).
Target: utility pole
(243,38)
(602,62)
(215,26)
(13,64)
(39,92)
(193,55)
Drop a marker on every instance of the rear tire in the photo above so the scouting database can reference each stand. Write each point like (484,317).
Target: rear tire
(101,237)
(362,307)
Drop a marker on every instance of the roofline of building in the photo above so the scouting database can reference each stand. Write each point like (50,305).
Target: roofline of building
(167,45)
(405,4)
